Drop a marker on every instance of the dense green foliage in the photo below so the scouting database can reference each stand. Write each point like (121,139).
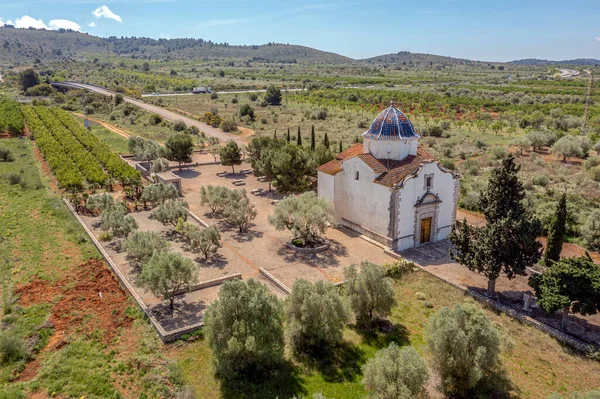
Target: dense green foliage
(395,373)
(465,347)
(370,291)
(142,245)
(244,328)
(231,155)
(316,317)
(179,148)
(556,234)
(11,118)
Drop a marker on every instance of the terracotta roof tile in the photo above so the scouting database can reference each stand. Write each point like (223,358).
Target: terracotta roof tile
(398,170)
(350,152)
(373,163)
(423,153)
(331,167)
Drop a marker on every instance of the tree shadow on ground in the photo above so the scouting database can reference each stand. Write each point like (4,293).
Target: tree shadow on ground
(382,333)
(328,258)
(339,364)
(217,261)
(248,235)
(186,173)
(283,382)
(496,385)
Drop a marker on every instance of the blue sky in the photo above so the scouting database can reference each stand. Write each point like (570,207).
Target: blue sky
(494,31)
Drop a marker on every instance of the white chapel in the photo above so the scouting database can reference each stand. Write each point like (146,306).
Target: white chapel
(388,188)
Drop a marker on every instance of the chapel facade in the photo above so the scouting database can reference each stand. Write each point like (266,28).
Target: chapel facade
(390,189)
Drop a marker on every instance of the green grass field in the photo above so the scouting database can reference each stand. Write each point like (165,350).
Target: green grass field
(537,365)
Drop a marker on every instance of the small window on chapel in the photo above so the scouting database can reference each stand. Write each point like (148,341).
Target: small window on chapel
(429,182)
(356,176)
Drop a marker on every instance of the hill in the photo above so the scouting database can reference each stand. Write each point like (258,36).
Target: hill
(25,46)
(577,62)
(408,58)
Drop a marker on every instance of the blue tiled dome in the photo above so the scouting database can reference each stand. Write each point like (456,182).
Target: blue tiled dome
(391,124)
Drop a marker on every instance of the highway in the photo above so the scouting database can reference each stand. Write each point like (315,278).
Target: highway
(169,115)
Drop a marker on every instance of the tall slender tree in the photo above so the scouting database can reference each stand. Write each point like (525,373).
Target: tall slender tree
(508,242)
(341,146)
(288,138)
(556,234)
(275,134)
(312,138)
(326,140)
(299,138)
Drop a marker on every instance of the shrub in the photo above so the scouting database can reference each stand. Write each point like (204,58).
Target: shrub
(253,96)
(395,373)
(481,144)
(246,110)
(179,126)
(155,119)
(142,245)
(499,152)
(240,344)
(316,316)
(228,126)
(234,100)
(114,219)
(320,114)
(465,347)
(448,164)
(371,293)
(12,348)
(540,180)
(399,268)
(590,231)
(214,96)
(105,236)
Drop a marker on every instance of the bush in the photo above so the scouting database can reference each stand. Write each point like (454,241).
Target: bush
(465,347)
(481,144)
(228,126)
(448,164)
(214,96)
(316,316)
(246,110)
(155,119)
(395,373)
(399,268)
(12,348)
(371,293)
(540,180)
(234,100)
(320,114)
(253,96)
(105,236)
(499,152)
(179,126)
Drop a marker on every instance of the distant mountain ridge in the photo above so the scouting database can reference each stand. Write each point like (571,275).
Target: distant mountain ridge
(578,62)
(26,46)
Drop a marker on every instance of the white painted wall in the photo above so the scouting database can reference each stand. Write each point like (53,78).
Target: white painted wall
(390,149)
(413,190)
(362,201)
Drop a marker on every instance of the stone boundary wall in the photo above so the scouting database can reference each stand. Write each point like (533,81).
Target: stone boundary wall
(165,336)
(560,336)
(210,283)
(197,218)
(275,280)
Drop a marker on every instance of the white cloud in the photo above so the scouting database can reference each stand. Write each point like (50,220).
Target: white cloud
(597,38)
(104,11)
(27,22)
(64,24)
(92,24)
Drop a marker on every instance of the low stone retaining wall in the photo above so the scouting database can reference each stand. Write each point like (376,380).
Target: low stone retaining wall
(316,250)
(275,280)
(210,283)
(165,336)
(197,218)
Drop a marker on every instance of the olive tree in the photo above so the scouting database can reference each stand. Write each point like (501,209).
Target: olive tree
(168,273)
(215,197)
(100,202)
(371,292)
(160,165)
(171,211)
(115,220)
(238,210)
(465,348)
(244,328)
(395,373)
(316,315)
(307,216)
(159,193)
(206,240)
(567,146)
(145,149)
(142,245)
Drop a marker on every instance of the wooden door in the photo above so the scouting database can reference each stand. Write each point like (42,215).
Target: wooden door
(425,230)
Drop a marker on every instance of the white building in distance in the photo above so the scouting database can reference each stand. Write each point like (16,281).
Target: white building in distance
(388,188)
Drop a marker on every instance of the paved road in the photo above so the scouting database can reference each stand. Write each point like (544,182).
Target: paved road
(170,115)
(218,92)
(568,73)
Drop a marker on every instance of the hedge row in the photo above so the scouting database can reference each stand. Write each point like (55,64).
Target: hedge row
(116,167)
(60,162)
(87,164)
(11,118)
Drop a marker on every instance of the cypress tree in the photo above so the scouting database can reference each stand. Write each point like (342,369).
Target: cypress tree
(312,138)
(504,193)
(289,138)
(341,148)
(556,234)
(275,134)
(326,141)
(299,138)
